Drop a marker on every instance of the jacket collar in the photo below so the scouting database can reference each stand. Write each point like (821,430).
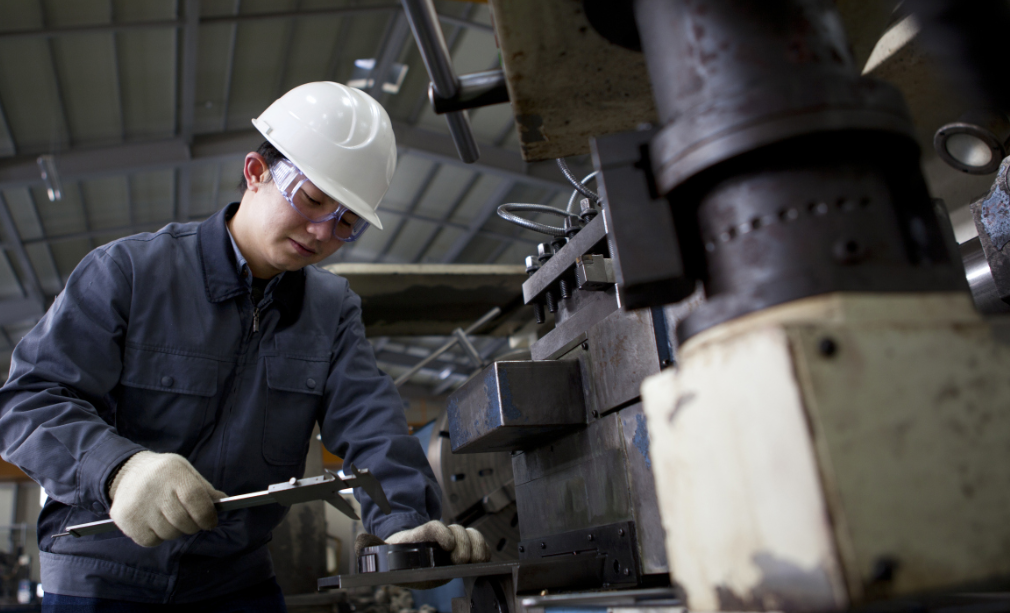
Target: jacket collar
(220,269)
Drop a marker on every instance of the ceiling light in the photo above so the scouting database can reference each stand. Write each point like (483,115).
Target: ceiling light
(47,166)
(976,143)
(361,76)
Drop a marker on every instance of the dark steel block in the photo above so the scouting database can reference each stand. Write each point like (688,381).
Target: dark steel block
(516,405)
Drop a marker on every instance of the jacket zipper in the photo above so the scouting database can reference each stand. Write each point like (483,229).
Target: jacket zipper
(256,319)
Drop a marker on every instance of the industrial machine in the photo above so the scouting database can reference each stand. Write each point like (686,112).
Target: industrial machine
(826,427)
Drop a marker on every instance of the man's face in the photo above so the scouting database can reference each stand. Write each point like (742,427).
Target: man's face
(271,235)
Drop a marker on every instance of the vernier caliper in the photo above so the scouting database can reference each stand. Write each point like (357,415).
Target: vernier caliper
(324,487)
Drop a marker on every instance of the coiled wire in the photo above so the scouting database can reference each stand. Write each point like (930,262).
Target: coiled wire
(582,189)
(505,211)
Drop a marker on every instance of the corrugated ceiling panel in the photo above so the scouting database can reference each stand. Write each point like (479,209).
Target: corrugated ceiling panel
(475,199)
(147,67)
(153,196)
(442,193)
(367,247)
(46,269)
(259,58)
(76,12)
(68,254)
(64,216)
(411,172)
(231,174)
(21,15)
(203,181)
(251,7)
(445,239)
(131,10)
(218,8)
(489,121)
(9,285)
(26,219)
(87,69)
(311,53)
(215,49)
(29,95)
(410,241)
(106,202)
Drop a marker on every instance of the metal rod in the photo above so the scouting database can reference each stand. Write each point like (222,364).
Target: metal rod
(495,312)
(476,89)
(435,53)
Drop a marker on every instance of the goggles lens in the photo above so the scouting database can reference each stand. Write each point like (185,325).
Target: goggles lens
(347,226)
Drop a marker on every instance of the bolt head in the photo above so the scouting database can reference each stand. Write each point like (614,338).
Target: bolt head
(293,480)
(544,252)
(522,549)
(589,537)
(620,532)
(543,545)
(532,264)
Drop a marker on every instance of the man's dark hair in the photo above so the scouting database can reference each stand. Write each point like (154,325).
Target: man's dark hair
(270,154)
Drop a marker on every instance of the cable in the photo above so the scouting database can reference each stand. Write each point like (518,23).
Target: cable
(585,191)
(575,192)
(505,212)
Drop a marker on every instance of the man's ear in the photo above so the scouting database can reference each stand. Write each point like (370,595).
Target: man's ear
(256,171)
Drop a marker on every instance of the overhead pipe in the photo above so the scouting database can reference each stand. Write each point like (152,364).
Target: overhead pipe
(435,53)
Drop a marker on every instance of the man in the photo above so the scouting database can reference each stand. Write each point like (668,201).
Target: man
(180,365)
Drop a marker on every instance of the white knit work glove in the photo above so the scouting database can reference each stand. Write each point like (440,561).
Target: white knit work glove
(465,545)
(157,497)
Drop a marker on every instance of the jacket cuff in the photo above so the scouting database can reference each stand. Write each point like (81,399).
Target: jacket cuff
(97,466)
(388,525)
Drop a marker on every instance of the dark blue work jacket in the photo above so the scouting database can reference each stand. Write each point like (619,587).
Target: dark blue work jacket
(153,345)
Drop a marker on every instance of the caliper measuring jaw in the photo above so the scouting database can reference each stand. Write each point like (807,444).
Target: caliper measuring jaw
(324,487)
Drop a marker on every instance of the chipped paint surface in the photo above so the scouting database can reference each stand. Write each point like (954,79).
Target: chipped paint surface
(899,437)
(995,212)
(509,411)
(592,86)
(641,439)
(737,480)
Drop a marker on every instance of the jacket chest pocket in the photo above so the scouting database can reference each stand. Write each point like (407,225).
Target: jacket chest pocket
(295,394)
(165,398)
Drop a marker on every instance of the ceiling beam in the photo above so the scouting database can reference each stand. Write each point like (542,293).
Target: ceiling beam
(133,26)
(17,310)
(493,201)
(30,280)
(80,163)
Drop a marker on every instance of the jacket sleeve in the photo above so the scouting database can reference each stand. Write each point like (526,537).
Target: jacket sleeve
(54,420)
(364,423)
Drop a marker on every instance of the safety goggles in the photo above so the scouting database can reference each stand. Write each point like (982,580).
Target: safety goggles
(289,179)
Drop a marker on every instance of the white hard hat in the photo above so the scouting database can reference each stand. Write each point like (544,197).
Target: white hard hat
(340,137)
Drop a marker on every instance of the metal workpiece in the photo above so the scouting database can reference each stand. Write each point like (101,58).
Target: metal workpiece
(623,351)
(991,214)
(606,555)
(705,64)
(475,90)
(593,272)
(980,279)
(881,412)
(588,240)
(790,229)
(399,577)
(404,556)
(573,319)
(477,491)
(649,266)
(516,405)
(593,477)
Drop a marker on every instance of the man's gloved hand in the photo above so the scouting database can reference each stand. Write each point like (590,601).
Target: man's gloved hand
(464,544)
(160,496)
